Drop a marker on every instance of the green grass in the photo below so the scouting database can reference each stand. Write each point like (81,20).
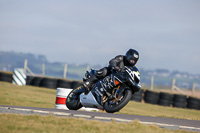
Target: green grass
(135,108)
(26,96)
(42,97)
(12,123)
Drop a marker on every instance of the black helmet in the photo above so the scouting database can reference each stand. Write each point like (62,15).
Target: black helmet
(132,56)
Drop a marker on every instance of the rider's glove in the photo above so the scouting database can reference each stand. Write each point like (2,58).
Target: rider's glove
(116,68)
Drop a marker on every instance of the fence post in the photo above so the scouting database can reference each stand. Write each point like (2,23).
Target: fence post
(25,66)
(152,82)
(43,69)
(193,88)
(173,84)
(176,88)
(65,71)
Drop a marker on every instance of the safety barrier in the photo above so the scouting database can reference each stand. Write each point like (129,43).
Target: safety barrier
(166,99)
(61,97)
(19,77)
(15,77)
(49,82)
(138,96)
(6,76)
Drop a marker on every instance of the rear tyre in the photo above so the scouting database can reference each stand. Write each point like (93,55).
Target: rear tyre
(73,100)
(115,105)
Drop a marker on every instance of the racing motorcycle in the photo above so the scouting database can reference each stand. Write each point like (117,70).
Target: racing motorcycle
(111,93)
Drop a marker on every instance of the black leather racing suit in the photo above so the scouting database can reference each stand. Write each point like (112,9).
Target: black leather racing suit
(118,63)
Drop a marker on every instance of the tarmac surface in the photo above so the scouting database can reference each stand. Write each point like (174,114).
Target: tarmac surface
(169,123)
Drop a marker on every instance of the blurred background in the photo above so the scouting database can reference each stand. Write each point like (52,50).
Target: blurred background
(87,34)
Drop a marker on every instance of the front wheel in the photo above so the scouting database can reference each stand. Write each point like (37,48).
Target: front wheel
(73,99)
(117,104)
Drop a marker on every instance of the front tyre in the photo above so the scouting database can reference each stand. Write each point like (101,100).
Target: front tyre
(115,105)
(73,99)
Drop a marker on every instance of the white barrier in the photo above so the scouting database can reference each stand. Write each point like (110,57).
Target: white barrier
(19,77)
(61,97)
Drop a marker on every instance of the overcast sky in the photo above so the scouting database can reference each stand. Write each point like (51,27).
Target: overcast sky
(166,33)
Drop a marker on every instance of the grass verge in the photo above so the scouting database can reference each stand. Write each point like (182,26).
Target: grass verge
(11,94)
(12,123)
(135,108)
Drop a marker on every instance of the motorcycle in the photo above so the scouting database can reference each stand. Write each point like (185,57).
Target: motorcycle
(111,93)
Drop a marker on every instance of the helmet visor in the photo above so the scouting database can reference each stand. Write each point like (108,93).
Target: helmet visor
(132,61)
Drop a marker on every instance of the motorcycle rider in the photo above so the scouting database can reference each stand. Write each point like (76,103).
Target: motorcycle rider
(118,64)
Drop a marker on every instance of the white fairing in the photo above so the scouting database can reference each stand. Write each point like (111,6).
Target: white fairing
(89,101)
(133,74)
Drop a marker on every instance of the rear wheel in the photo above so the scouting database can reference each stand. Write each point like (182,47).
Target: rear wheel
(117,104)
(73,100)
